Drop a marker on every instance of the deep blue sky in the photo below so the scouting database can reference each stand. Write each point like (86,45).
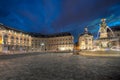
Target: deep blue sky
(54,16)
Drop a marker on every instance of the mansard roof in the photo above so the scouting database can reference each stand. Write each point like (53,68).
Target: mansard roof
(50,35)
(4,27)
(85,33)
(114,28)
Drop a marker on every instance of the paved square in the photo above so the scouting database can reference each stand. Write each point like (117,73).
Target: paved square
(58,66)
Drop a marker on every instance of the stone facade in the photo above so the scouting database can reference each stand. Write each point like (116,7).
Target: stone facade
(15,41)
(86,41)
(56,42)
(12,40)
(116,32)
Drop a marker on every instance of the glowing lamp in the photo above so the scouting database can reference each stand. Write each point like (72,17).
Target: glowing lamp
(62,48)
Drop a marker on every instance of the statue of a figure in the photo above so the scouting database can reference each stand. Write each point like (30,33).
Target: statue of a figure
(86,30)
(103,29)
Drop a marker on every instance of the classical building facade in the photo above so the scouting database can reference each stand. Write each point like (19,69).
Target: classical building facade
(12,40)
(116,33)
(56,42)
(85,41)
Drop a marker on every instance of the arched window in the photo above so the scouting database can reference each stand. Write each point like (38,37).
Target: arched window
(12,40)
(12,37)
(17,40)
(5,39)
(6,36)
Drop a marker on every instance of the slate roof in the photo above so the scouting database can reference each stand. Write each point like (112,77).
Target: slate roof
(114,28)
(50,35)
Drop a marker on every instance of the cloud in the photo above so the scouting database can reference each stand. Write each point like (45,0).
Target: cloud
(53,16)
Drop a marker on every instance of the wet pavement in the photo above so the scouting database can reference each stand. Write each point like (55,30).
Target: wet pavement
(56,66)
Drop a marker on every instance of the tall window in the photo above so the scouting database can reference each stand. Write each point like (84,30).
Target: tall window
(17,40)
(5,39)
(12,40)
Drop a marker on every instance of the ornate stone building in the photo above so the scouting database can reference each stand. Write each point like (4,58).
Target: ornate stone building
(12,40)
(86,40)
(116,33)
(56,42)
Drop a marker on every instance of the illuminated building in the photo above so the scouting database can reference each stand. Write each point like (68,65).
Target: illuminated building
(12,40)
(116,31)
(55,42)
(86,40)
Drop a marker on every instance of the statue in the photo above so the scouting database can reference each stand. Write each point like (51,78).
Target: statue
(86,30)
(103,29)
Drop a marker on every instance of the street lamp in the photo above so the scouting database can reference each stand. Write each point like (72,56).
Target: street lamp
(42,44)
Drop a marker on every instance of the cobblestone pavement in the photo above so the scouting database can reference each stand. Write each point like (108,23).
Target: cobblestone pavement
(59,67)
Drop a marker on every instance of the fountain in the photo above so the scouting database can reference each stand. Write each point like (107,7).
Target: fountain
(103,30)
(104,41)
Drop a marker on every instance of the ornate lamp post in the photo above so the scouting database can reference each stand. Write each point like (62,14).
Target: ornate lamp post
(42,44)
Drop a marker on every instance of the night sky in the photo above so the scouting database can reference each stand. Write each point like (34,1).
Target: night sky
(54,16)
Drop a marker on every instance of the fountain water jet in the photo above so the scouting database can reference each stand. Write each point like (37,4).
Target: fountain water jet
(111,31)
